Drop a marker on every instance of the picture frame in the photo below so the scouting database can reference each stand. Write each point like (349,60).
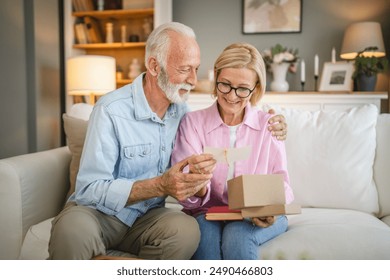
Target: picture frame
(336,76)
(268,16)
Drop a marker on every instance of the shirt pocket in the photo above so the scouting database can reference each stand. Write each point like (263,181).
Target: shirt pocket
(137,160)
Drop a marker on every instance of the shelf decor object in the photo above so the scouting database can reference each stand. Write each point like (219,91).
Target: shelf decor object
(360,36)
(279,73)
(279,60)
(90,75)
(363,43)
(336,76)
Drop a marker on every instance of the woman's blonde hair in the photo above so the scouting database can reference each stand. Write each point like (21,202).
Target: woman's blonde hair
(243,55)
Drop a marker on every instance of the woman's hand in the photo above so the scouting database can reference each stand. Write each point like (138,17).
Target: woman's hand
(264,221)
(278,125)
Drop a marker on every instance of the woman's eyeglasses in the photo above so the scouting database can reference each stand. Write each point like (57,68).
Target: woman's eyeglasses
(241,92)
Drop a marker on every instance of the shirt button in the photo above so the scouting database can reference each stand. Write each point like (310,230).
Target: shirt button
(163,149)
(144,152)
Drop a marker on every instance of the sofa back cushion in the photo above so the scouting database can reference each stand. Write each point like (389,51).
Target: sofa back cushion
(382,165)
(330,157)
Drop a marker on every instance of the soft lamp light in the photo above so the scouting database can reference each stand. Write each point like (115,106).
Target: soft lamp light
(361,35)
(90,75)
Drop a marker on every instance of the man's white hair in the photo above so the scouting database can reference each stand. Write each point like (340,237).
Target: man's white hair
(158,41)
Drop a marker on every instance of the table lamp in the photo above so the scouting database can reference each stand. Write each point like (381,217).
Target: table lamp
(90,75)
(361,35)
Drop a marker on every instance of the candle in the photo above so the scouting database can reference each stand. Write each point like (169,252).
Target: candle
(316,65)
(303,71)
(333,55)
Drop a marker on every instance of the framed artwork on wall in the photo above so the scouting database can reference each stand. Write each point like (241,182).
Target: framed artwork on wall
(336,76)
(271,16)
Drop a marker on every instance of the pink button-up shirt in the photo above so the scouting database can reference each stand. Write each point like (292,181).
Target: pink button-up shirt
(205,127)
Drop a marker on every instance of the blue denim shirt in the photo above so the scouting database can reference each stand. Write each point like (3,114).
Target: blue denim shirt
(125,142)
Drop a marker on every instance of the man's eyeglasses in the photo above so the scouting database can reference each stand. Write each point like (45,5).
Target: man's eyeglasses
(241,92)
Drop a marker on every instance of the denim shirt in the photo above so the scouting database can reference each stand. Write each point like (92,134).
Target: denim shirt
(125,142)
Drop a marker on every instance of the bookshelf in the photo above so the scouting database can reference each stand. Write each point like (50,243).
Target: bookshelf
(121,48)
(124,52)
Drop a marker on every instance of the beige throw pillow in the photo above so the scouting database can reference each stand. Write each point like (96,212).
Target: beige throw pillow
(75,130)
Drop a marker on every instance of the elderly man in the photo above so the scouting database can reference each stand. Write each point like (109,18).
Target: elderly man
(124,174)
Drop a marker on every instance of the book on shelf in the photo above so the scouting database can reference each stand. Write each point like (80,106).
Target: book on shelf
(80,33)
(83,5)
(93,30)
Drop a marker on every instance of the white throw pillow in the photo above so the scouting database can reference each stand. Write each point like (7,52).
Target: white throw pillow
(330,157)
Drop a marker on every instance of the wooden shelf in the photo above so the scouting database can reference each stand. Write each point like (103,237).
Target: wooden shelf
(123,81)
(136,22)
(126,45)
(116,13)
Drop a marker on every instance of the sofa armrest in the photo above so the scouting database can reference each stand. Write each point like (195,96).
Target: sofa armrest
(33,188)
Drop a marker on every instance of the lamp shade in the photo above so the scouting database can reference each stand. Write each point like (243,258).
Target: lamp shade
(358,36)
(90,75)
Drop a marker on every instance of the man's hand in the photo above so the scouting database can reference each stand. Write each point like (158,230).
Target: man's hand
(264,221)
(202,165)
(183,185)
(278,125)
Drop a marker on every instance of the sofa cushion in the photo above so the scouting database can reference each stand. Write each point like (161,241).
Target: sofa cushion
(36,243)
(75,126)
(382,163)
(330,157)
(331,234)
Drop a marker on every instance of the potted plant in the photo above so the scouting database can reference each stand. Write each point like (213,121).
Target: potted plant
(367,68)
(279,60)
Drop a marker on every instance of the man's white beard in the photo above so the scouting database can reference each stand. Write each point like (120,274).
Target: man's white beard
(172,90)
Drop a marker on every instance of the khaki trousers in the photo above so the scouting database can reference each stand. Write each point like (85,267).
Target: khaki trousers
(80,232)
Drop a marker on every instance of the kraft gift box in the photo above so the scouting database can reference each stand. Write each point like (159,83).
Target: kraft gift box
(256,190)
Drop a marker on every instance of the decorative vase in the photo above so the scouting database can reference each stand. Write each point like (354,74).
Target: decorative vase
(279,72)
(365,83)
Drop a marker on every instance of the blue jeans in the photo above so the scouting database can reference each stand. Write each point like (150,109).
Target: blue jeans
(234,240)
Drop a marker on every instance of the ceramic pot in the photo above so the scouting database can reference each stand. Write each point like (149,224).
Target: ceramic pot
(279,73)
(366,83)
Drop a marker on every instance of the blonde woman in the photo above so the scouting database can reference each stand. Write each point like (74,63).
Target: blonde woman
(233,121)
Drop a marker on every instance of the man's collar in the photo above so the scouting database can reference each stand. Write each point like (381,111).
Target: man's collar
(141,106)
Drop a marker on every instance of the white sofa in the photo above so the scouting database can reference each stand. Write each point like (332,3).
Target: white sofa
(339,165)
